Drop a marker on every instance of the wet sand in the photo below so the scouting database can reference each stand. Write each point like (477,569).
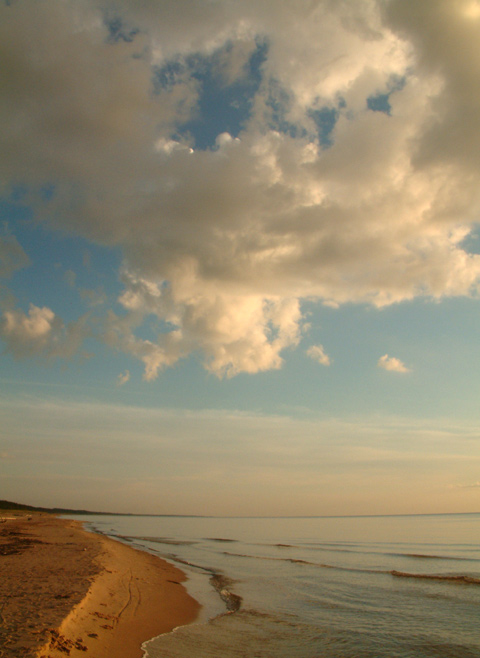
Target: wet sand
(64,591)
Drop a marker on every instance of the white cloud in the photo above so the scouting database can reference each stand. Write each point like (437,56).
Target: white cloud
(392,364)
(123,378)
(12,256)
(41,333)
(70,278)
(236,333)
(93,297)
(35,326)
(222,245)
(317,353)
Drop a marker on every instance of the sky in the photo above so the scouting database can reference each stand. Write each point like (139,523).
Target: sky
(240,256)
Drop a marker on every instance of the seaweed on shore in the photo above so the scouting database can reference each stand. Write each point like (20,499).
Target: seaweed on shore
(13,542)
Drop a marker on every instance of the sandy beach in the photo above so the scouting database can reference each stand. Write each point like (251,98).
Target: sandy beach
(64,591)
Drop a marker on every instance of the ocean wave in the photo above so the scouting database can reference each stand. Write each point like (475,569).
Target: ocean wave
(160,540)
(222,584)
(462,579)
(316,547)
(292,560)
(360,549)
(221,539)
(187,563)
(265,557)
(454,578)
(426,556)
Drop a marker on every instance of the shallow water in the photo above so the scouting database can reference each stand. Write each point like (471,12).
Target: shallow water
(357,587)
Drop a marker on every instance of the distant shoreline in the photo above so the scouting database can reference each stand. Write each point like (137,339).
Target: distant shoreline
(10,506)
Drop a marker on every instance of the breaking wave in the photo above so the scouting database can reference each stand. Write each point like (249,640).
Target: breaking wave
(453,578)
(457,578)
(160,540)
(222,585)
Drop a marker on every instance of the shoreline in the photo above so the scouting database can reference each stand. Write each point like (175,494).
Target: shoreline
(67,591)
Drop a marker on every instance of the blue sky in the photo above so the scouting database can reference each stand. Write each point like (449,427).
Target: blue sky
(239,256)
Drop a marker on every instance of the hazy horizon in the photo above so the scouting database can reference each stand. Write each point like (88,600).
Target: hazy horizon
(87,512)
(240,256)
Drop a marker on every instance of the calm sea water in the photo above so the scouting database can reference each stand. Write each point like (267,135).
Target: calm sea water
(357,587)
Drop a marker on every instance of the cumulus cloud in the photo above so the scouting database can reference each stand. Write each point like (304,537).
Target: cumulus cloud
(93,297)
(351,176)
(392,364)
(317,353)
(70,278)
(41,333)
(12,256)
(123,378)
(236,333)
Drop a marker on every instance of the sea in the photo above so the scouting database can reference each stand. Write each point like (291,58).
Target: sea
(318,587)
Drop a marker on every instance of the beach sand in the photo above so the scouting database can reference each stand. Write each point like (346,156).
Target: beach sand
(67,592)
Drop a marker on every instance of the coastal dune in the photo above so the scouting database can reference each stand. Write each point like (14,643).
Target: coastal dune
(65,591)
